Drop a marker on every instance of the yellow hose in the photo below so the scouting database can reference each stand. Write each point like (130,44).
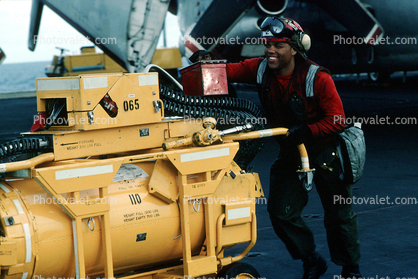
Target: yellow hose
(269,133)
(27,164)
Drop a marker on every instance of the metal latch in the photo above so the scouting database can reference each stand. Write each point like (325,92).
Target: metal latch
(90,116)
(156,104)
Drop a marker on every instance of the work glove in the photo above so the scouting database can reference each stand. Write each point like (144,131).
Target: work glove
(298,134)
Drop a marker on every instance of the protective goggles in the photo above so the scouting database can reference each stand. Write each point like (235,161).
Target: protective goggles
(277,27)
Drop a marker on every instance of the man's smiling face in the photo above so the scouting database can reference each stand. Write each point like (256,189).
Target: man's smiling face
(280,57)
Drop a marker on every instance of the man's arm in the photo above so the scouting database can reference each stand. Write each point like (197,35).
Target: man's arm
(329,102)
(243,72)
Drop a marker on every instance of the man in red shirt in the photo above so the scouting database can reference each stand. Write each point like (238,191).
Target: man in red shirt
(298,94)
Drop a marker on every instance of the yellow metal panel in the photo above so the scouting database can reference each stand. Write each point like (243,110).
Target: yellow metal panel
(258,189)
(20,269)
(20,219)
(89,49)
(55,86)
(8,253)
(210,223)
(163,182)
(79,176)
(201,265)
(236,234)
(135,103)
(88,62)
(93,88)
(133,94)
(198,159)
(88,59)
(108,141)
(177,128)
(167,58)
(245,186)
(200,189)
(87,209)
(238,213)
(48,88)
(112,66)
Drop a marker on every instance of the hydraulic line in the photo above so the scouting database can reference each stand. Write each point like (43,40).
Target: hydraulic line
(22,145)
(21,149)
(228,111)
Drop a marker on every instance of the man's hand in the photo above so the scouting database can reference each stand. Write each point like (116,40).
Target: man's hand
(298,134)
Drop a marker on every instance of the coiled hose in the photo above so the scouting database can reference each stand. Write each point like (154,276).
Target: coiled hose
(11,151)
(228,111)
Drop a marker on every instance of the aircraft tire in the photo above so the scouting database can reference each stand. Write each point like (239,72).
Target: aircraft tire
(238,271)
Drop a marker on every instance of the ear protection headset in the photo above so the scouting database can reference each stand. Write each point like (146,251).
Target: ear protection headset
(287,30)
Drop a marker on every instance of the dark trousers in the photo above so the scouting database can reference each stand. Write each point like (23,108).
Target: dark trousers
(287,199)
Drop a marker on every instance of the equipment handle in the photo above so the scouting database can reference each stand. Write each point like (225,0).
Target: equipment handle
(269,133)
(27,164)
(178,143)
(257,134)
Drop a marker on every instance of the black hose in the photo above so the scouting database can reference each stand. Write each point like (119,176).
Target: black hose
(228,111)
(22,145)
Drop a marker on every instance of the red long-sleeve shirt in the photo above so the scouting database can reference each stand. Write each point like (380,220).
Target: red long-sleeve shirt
(325,113)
